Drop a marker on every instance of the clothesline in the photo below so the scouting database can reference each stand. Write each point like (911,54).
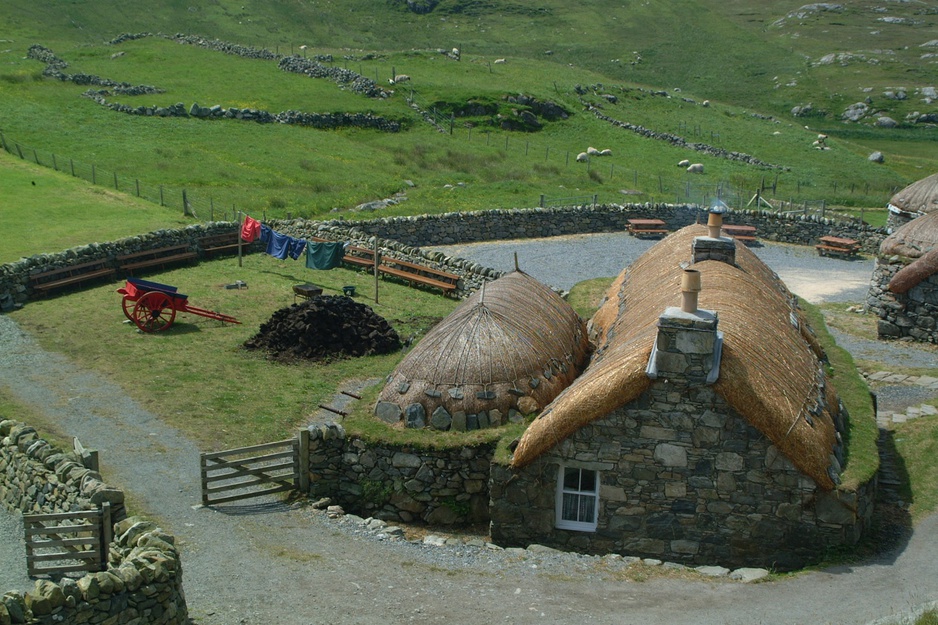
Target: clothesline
(319,254)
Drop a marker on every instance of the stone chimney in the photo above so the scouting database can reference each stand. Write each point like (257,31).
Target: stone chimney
(688,347)
(714,246)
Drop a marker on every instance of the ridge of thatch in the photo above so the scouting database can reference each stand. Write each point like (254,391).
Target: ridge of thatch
(913,239)
(515,338)
(911,275)
(920,197)
(770,374)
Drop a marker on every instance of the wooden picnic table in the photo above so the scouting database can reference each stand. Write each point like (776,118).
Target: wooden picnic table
(838,246)
(741,232)
(644,227)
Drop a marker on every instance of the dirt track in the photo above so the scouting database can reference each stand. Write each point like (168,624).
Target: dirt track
(270,563)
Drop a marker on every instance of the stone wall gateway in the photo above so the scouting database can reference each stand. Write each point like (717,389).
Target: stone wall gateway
(143,582)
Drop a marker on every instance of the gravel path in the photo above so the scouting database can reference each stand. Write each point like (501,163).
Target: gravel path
(273,563)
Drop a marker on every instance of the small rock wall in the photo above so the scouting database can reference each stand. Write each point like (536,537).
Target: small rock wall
(143,583)
(528,223)
(911,315)
(685,479)
(400,483)
(14,277)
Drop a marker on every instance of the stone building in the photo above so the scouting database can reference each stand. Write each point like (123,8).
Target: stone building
(506,351)
(904,288)
(701,433)
(915,200)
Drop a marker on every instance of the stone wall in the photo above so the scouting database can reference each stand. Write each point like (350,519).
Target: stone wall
(528,223)
(399,483)
(685,479)
(911,315)
(143,581)
(14,277)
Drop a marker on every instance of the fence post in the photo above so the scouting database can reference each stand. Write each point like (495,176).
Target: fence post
(211,209)
(71,164)
(861,215)
(203,473)
(303,461)
(115,182)
(55,165)
(470,134)
(161,196)
(107,531)
(547,153)
(527,144)
(568,158)
(94,175)
(595,197)
(823,207)
(138,187)
(35,156)
(185,204)
(19,151)
(541,203)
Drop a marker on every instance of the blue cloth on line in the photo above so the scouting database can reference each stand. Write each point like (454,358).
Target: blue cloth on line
(279,245)
(296,247)
(265,233)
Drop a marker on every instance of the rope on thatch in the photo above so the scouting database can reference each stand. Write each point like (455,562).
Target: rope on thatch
(769,373)
(911,275)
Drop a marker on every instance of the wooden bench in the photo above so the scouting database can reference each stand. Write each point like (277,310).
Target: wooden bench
(155,258)
(419,274)
(838,246)
(647,227)
(223,242)
(360,256)
(73,274)
(747,234)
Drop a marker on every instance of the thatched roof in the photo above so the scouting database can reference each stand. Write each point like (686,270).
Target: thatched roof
(913,239)
(918,198)
(514,339)
(770,372)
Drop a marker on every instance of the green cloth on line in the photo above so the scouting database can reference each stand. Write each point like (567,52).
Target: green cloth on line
(324,255)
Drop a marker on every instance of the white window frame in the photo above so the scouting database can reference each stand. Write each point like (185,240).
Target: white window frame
(579,525)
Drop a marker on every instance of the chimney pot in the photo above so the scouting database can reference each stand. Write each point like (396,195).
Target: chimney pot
(690,287)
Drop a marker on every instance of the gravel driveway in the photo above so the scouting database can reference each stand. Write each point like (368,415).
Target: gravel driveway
(273,563)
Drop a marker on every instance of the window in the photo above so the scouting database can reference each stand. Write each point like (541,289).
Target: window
(577,499)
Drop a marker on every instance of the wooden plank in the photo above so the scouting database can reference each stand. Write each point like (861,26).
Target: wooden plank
(412,277)
(60,529)
(244,450)
(245,472)
(71,555)
(67,542)
(51,570)
(272,491)
(285,480)
(59,516)
(220,463)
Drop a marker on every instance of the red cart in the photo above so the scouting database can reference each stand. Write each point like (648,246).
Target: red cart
(152,306)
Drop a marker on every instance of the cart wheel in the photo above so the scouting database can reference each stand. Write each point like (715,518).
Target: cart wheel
(127,305)
(154,312)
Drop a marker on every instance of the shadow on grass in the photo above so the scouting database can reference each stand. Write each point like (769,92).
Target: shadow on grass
(891,526)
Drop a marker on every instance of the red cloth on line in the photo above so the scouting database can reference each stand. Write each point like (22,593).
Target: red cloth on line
(250,230)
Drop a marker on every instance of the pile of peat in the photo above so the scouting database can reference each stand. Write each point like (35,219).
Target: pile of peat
(325,327)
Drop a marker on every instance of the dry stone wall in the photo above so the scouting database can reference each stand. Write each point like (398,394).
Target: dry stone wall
(143,580)
(399,483)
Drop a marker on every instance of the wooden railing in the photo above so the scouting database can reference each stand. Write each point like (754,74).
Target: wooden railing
(244,476)
(67,542)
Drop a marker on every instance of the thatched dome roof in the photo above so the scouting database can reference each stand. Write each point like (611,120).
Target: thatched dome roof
(916,240)
(913,239)
(770,371)
(513,342)
(918,198)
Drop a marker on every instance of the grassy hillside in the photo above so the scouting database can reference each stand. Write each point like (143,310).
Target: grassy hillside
(753,63)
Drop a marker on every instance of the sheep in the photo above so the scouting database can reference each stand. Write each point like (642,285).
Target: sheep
(399,78)
(592,151)
(499,61)
(582,157)
(606,152)
(696,168)
(684,163)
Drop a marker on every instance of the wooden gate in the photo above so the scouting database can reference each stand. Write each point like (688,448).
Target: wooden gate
(67,542)
(245,476)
